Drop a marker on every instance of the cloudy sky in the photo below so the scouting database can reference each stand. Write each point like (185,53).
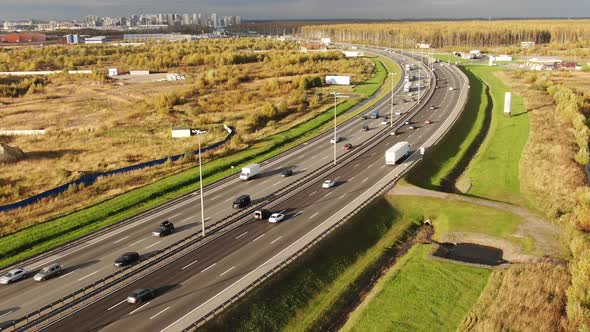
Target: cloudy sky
(299,9)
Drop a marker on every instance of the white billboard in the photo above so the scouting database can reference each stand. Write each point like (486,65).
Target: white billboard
(507,102)
(326,41)
(338,80)
(353,54)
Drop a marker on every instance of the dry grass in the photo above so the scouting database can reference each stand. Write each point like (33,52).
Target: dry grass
(528,297)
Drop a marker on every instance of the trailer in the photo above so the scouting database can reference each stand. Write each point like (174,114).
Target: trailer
(397,152)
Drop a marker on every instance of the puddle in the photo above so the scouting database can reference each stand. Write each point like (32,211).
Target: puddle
(470,253)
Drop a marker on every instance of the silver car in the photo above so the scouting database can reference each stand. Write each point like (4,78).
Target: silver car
(48,272)
(12,276)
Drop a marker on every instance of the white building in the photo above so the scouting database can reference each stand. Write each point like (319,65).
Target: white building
(181,132)
(96,40)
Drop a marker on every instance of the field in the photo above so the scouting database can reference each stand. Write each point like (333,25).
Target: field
(420,294)
(96,125)
(494,172)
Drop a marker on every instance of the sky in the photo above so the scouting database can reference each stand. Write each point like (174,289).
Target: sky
(298,9)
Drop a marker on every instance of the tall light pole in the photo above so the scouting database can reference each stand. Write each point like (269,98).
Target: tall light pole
(336,96)
(199,133)
(391,115)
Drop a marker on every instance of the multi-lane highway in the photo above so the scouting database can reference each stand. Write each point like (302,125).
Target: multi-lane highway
(92,259)
(187,288)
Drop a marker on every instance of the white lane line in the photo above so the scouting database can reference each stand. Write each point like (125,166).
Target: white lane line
(341,196)
(276,184)
(6,313)
(239,236)
(364,180)
(136,242)
(275,240)
(382,167)
(313,193)
(231,268)
(189,264)
(298,213)
(91,274)
(123,239)
(303,170)
(258,237)
(351,178)
(67,274)
(357,165)
(185,220)
(136,310)
(338,177)
(216,197)
(315,214)
(301,157)
(156,315)
(229,199)
(153,244)
(116,305)
(263,182)
(374,153)
(176,215)
(210,266)
(328,194)
(370,165)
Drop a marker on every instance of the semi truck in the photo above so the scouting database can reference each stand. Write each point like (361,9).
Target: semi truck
(407,87)
(250,172)
(396,152)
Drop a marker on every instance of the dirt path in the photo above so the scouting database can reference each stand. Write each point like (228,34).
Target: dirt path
(544,233)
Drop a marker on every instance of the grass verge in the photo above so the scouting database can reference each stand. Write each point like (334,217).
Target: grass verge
(443,164)
(51,234)
(420,294)
(319,283)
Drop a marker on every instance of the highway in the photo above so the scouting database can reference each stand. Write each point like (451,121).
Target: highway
(92,259)
(188,286)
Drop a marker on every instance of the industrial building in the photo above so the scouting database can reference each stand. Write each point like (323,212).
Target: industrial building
(23,38)
(157,37)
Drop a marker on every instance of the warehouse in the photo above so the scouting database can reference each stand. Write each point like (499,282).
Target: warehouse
(23,38)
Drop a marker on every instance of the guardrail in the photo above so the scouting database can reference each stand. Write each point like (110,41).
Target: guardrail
(86,293)
(438,136)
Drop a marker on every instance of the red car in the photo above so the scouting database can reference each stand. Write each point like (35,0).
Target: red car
(347,146)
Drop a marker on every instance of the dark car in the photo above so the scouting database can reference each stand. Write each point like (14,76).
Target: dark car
(365,128)
(286,173)
(140,295)
(127,258)
(166,228)
(241,202)
(364,117)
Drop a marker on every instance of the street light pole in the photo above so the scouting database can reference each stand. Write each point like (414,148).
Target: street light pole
(391,115)
(335,97)
(199,133)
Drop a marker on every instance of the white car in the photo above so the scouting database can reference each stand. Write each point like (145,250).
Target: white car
(393,133)
(398,113)
(451,88)
(338,138)
(384,122)
(12,276)
(276,217)
(328,184)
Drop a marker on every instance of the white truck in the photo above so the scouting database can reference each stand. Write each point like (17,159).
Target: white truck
(407,78)
(408,68)
(407,87)
(249,172)
(396,152)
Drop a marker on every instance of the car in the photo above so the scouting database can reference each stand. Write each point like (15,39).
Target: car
(276,217)
(347,147)
(127,258)
(261,214)
(140,295)
(287,173)
(328,184)
(411,127)
(166,228)
(428,122)
(48,272)
(408,122)
(398,113)
(13,275)
(364,117)
(451,88)
(365,128)
(241,202)
(336,140)
(432,107)
(393,133)
(385,122)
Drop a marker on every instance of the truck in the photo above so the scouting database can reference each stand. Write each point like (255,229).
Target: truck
(396,152)
(250,172)
(407,87)
(408,68)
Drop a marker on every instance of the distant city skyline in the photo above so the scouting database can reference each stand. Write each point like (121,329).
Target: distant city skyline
(297,9)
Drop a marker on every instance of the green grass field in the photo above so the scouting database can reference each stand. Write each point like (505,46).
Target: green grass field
(45,236)
(494,172)
(420,294)
(453,216)
(443,164)
(318,284)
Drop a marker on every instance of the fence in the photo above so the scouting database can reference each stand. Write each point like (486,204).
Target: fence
(91,178)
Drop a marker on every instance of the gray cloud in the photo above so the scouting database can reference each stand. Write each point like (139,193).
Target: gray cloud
(299,9)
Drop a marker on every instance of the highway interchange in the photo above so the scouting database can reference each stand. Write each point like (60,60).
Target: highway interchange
(194,279)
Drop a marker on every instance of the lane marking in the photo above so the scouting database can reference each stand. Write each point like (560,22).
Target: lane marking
(136,310)
(342,196)
(275,240)
(239,236)
(303,170)
(185,220)
(357,165)
(338,177)
(315,214)
(210,266)
(91,274)
(258,237)
(364,180)
(123,239)
(214,198)
(66,275)
(328,194)
(156,315)
(196,260)
(176,215)
(351,178)
(298,213)
(276,184)
(116,305)
(231,268)
(153,244)
(136,242)
(229,199)
(370,165)
(374,153)
(382,167)
(313,193)
(6,313)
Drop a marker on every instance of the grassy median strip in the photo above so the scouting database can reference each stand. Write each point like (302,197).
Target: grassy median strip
(45,236)
(420,294)
(305,295)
